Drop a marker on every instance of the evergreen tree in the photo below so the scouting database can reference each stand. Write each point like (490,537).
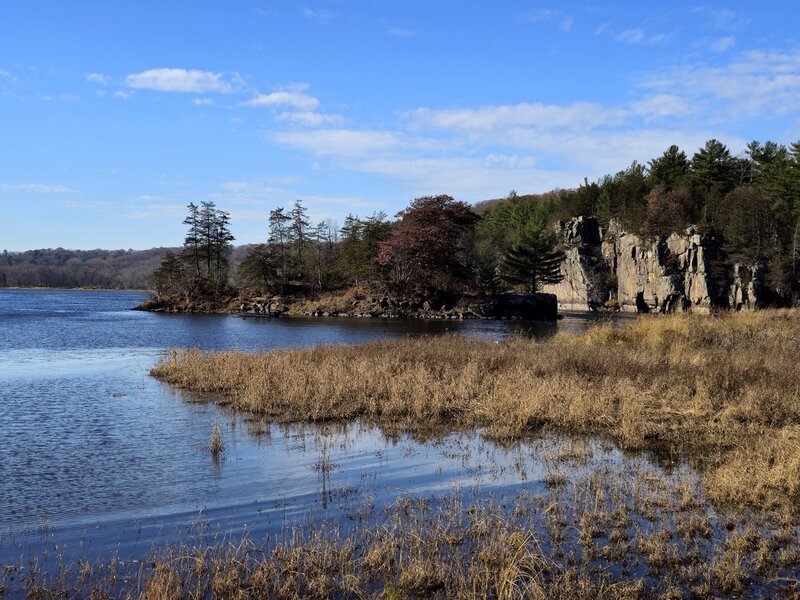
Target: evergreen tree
(298,229)
(258,272)
(670,170)
(279,237)
(191,243)
(533,261)
(168,278)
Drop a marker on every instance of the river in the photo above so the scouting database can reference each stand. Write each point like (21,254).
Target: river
(98,453)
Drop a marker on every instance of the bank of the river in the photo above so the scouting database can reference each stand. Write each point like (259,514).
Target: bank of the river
(358,303)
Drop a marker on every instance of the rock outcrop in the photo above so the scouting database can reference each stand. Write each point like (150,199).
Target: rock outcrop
(616,269)
(586,269)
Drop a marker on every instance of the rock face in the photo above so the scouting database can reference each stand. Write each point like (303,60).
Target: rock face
(586,270)
(618,269)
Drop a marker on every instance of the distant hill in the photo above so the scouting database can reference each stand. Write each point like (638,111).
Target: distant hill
(104,269)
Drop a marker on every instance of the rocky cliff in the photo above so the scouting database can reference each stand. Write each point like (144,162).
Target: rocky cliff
(618,269)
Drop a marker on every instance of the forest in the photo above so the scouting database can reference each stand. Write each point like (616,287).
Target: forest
(749,203)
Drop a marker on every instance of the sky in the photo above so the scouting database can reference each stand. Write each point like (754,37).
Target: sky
(115,115)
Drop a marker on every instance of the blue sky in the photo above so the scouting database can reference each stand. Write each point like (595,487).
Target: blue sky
(115,115)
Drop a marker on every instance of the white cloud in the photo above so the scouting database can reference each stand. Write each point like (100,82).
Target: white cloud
(754,83)
(723,18)
(179,80)
(310,118)
(202,101)
(38,188)
(294,99)
(658,106)
(601,28)
(8,75)
(723,44)
(631,36)
(98,78)
(337,142)
(65,97)
(320,16)
(531,115)
(246,188)
(402,32)
(477,152)
(157,211)
(637,35)
(538,15)
(542,15)
(123,94)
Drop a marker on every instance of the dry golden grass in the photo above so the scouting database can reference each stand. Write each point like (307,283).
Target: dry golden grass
(448,551)
(727,385)
(610,531)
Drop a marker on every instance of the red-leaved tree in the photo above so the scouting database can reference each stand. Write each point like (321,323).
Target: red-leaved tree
(425,249)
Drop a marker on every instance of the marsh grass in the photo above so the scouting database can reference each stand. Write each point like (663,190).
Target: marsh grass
(726,387)
(722,521)
(215,445)
(617,525)
(555,545)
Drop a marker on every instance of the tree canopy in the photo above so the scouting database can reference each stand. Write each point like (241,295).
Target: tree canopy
(749,203)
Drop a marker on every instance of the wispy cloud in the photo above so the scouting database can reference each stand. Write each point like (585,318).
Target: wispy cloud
(581,115)
(723,18)
(722,44)
(754,83)
(639,36)
(631,36)
(310,118)
(537,15)
(402,32)
(38,188)
(157,211)
(98,78)
(541,15)
(336,142)
(202,101)
(294,99)
(65,97)
(179,80)
(319,15)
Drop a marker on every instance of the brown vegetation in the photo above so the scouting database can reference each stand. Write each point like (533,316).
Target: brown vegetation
(727,386)
(561,544)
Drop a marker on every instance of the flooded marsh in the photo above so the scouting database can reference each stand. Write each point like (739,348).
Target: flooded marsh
(657,460)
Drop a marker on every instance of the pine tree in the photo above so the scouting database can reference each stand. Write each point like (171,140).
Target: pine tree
(191,244)
(533,261)
(299,233)
(278,242)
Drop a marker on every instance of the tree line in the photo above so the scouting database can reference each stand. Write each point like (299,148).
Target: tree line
(62,268)
(749,203)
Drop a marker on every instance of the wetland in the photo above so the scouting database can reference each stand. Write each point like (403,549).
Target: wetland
(637,458)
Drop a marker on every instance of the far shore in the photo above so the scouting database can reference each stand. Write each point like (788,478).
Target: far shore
(72,289)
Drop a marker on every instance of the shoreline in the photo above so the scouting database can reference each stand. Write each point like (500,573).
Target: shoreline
(356,303)
(64,289)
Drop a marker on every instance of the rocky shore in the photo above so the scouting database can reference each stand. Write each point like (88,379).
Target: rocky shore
(681,272)
(357,303)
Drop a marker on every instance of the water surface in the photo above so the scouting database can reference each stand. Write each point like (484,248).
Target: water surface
(91,441)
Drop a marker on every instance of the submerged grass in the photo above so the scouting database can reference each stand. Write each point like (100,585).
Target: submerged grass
(727,386)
